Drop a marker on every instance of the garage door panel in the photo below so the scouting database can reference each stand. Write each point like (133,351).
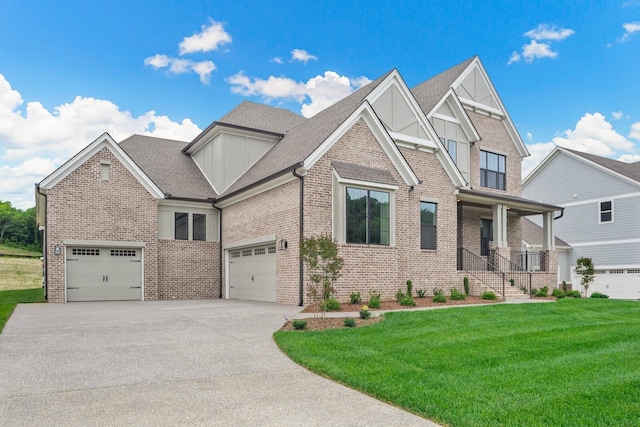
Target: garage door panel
(102,274)
(622,283)
(252,273)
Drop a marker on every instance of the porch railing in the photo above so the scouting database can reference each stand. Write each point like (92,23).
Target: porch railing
(530,260)
(516,274)
(482,269)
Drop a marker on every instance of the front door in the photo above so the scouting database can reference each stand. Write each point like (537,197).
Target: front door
(486,235)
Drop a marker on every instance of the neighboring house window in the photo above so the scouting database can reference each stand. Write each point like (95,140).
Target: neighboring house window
(493,170)
(428,235)
(606,211)
(181,226)
(367,216)
(199,227)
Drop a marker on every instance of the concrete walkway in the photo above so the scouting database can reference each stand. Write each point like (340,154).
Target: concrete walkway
(209,362)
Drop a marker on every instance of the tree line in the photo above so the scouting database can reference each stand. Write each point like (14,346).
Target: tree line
(18,227)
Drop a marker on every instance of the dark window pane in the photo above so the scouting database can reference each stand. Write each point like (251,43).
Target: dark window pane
(492,180)
(492,161)
(378,217)
(427,213)
(605,216)
(181,226)
(483,159)
(356,215)
(501,183)
(428,219)
(605,206)
(199,227)
(452,148)
(501,164)
(427,237)
(493,170)
(483,178)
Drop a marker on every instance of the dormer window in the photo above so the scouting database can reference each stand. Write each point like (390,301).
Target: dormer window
(493,170)
(452,148)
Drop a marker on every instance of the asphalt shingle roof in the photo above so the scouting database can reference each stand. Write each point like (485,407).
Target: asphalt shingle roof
(263,117)
(630,170)
(163,162)
(431,91)
(299,142)
(532,233)
(363,173)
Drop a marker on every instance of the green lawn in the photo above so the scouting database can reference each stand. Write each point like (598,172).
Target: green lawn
(569,363)
(9,300)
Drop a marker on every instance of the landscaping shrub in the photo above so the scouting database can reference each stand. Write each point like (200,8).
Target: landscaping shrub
(542,292)
(598,295)
(330,304)
(558,293)
(438,295)
(355,298)
(350,322)
(374,300)
(399,295)
(299,324)
(512,281)
(456,295)
(409,288)
(364,312)
(465,284)
(421,293)
(574,294)
(407,300)
(489,295)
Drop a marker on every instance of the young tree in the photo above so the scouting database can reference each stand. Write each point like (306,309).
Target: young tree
(320,254)
(586,271)
(7,218)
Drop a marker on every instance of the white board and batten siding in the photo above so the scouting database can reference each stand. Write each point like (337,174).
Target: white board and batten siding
(103,273)
(252,272)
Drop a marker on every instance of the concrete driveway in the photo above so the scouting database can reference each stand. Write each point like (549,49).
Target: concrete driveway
(206,362)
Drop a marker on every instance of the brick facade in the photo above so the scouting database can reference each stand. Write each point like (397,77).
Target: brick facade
(188,269)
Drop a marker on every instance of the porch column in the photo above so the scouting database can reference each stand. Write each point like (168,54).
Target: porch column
(548,239)
(500,226)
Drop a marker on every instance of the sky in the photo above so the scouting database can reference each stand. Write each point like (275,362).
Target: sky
(568,72)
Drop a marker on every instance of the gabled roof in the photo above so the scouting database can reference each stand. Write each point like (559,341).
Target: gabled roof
(304,139)
(162,160)
(626,171)
(103,141)
(264,117)
(532,234)
(431,91)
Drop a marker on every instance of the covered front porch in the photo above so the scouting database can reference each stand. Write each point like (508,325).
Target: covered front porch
(490,242)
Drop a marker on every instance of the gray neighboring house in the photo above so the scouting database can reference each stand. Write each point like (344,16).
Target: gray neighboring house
(601,201)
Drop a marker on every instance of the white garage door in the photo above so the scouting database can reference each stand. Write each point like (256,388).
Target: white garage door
(252,273)
(623,283)
(100,274)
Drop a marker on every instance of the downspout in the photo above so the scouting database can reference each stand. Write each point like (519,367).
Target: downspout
(561,214)
(45,259)
(301,237)
(219,247)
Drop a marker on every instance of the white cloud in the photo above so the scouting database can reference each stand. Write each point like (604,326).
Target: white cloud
(529,136)
(546,32)
(629,158)
(276,60)
(629,29)
(315,95)
(181,66)
(302,55)
(617,115)
(592,134)
(635,131)
(515,57)
(536,50)
(210,38)
(34,141)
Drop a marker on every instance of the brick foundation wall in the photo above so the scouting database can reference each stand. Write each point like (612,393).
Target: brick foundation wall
(188,269)
(83,207)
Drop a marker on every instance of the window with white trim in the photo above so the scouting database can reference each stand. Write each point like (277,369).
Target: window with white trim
(606,211)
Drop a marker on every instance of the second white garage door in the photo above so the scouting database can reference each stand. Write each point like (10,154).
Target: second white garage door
(620,283)
(252,273)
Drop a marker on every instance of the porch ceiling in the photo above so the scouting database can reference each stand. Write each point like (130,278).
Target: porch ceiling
(518,205)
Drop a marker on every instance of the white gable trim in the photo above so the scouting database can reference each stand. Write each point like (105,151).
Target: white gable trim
(104,140)
(462,118)
(450,167)
(365,112)
(254,191)
(511,129)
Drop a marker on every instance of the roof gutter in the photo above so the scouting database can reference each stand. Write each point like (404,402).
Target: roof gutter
(261,181)
(228,125)
(190,199)
(561,214)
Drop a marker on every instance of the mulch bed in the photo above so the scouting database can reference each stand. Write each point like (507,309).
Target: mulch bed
(317,323)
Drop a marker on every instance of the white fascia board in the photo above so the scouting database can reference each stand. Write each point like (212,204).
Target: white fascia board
(186,204)
(511,129)
(104,140)
(414,142)
(103,243)
(365,112)
(462,118)
(266,186)
(360,183)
